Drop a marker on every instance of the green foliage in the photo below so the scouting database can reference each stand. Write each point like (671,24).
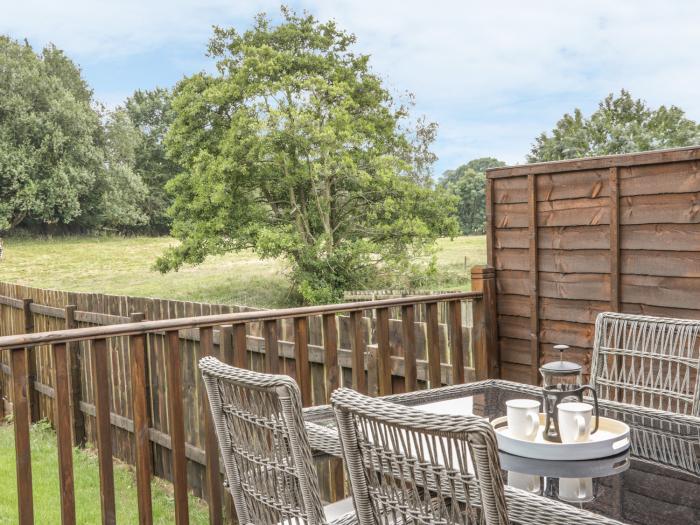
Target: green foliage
(124,193)
(294,149)
(151,114)
(468,184)
(50,154)
(47,507)
(620,125)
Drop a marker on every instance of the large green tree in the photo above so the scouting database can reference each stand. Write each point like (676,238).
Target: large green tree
(151,113)
(468,184)
(50,138)
(620,125)
(296,150)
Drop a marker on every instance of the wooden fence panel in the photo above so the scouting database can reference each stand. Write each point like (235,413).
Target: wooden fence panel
(246,345)
(572,239)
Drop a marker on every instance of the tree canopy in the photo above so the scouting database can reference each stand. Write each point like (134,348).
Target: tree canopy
(150,112)
(50,135)
(468,184)
(620,125)
(65,162)
(295,149)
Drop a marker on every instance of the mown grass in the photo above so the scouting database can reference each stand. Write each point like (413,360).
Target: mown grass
(124,266)
(87,496)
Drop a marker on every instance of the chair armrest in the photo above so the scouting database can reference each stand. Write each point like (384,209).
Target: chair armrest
(324,439)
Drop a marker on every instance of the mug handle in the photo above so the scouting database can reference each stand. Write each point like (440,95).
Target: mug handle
(534,423)
(595,404)
(580,426)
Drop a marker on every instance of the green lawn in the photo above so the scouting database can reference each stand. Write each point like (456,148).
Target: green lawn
(123,266)
(87,496)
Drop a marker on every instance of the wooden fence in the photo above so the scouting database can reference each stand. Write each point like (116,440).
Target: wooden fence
(133,389)
(573,238)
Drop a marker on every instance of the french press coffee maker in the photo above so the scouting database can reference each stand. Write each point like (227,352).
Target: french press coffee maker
(562,383)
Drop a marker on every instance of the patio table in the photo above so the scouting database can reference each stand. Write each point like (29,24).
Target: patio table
(657,481)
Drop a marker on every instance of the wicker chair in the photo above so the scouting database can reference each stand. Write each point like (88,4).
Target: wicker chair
(265,448)
(409,466)
(648,361)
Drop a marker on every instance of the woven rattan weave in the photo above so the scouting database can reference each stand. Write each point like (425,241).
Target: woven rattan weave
(265,446)
(648,361)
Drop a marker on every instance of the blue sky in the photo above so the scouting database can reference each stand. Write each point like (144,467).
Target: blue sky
(493,75)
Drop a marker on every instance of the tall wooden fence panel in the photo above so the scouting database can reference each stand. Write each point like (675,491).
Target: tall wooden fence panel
(570,239)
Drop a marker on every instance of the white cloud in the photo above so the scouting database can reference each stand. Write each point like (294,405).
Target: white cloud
(494,75)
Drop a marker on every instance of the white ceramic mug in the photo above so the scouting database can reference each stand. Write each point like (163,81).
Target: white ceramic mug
(576,490)
(528,482)
(523,418)
(574,421)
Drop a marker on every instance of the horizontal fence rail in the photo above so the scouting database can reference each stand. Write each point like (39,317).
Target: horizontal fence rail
(139,379)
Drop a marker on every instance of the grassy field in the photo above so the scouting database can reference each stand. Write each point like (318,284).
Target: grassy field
(87,483)
(123,266)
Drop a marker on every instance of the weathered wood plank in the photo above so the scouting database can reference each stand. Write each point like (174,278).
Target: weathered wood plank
(272,361)
(301,359)
(534,289)
(358,348)
(557,261)
(100,374)
(177,428)
(556,285)
(22,413)
(211,444)
(673,292)
(63,433)
(628,159)
(515,351)
(142,445)
(330,345)
(554,309)
(240,346)
(383,352)
(456,341)
(681,208)
(557,186)
(572,212)
(431,315)
(654,179)
(409,347)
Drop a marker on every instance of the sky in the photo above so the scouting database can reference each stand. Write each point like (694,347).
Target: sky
(493,75)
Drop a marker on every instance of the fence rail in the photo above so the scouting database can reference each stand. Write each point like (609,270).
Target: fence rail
(376,347)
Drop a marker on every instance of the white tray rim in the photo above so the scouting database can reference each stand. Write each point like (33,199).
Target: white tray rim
(612,446)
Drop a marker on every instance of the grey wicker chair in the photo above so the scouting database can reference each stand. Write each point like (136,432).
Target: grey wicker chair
(265,448)
(409,466)
(648,361)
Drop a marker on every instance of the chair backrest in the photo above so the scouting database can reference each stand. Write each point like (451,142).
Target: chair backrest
(409,466)
(264,445)
(647,361)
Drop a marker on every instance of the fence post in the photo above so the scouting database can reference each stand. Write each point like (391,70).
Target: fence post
(486,355)
(74,365)
(31,362)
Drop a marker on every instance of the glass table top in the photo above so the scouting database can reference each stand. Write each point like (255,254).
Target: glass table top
(656,481)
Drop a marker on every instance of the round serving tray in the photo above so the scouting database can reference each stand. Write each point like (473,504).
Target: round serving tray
(592,468)
(612,437)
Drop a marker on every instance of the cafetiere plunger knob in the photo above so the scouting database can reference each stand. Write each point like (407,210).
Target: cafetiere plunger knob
(561,349)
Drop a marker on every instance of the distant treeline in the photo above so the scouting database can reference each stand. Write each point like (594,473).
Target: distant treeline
(68,164)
